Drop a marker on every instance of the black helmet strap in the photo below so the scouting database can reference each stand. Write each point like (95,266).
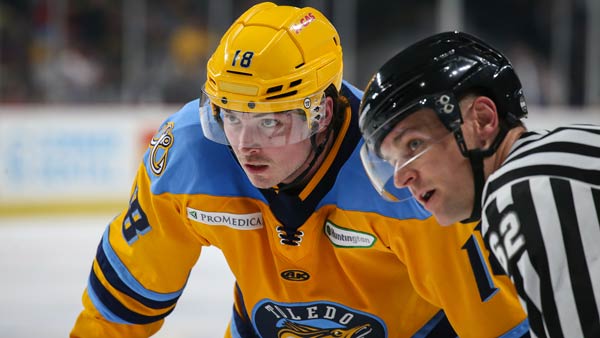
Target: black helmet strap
(476,157)
(317,149)
(332,130)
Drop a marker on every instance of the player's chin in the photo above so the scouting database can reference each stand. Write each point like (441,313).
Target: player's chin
(261,185)
(445,220)
(261,182)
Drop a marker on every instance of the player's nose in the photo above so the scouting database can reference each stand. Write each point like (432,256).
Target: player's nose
(247,138)
(404,176)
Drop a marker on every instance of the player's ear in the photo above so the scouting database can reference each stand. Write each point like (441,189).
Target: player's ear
(328,111)
(486,119)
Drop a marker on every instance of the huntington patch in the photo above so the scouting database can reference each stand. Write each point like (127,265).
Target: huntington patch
(347,238)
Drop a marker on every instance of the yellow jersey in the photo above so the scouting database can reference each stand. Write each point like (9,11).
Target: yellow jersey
(334,260)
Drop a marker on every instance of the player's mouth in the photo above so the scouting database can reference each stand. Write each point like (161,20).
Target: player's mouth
(255,168)
(424,197)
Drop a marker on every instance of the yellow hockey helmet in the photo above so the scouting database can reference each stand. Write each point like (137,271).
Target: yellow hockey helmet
(273,59)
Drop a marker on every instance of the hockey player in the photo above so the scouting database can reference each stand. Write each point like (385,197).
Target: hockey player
(265,166)
(445,115)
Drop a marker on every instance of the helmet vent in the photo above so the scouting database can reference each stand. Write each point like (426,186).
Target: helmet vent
(487,53)
(239,73)
(335,41)
(291,93)
(300,65)
(274,89)
(295,83)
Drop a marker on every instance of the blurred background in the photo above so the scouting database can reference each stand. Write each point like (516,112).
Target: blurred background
(84,85)
(140,51)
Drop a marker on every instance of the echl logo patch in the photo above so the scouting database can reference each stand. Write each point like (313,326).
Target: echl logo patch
(159,148)
(295,275)
(316,319)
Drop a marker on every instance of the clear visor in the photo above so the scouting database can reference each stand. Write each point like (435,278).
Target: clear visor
(261,124)
(402,148)
(381,174)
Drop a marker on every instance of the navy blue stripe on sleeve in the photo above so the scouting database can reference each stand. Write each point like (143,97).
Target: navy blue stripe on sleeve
(112,309)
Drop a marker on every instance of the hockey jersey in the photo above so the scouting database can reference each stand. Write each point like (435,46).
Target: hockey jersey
(541,220)
(334,260)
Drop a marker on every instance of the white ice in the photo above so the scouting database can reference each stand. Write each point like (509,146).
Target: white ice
(44,265)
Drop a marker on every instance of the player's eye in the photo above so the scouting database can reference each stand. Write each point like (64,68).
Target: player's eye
(269,123)
(231,119)
(414,145)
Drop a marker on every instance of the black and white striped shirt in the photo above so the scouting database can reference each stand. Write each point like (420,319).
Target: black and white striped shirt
(541,220)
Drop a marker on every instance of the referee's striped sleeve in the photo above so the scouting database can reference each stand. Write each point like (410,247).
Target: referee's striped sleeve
(542,218)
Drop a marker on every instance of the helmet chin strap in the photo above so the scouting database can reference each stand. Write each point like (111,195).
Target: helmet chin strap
(317,150)
(476,158)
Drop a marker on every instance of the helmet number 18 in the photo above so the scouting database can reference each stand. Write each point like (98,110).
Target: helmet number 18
(245,60)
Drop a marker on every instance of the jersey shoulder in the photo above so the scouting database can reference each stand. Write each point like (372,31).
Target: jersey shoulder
(570,152)
(181,160)
(350,91)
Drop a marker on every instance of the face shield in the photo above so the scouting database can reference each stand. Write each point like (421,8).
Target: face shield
(392,147)
(261,124)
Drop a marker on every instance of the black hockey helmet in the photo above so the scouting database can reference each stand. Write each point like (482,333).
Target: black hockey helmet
(435,73)
(451,63)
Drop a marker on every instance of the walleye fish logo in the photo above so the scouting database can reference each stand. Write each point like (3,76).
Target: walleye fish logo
(159,148)
(296,330)
(315,319)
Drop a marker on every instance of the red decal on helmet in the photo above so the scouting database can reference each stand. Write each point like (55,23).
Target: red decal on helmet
(305,21)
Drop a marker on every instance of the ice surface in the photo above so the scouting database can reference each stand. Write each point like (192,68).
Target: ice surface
(44,265)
